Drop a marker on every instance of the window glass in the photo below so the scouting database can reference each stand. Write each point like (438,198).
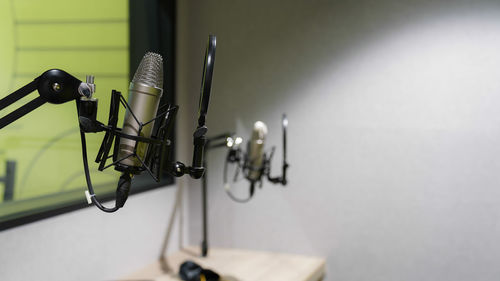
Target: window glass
(40,154)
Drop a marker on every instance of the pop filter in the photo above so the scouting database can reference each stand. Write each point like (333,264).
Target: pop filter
(206,79)
(197,169)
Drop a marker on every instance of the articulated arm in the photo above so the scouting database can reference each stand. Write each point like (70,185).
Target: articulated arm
(54,86)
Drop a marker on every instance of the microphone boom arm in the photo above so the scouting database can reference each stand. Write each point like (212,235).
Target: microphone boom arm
(54,86)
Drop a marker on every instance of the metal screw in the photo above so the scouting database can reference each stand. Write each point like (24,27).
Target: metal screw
(90,79)
(56,87)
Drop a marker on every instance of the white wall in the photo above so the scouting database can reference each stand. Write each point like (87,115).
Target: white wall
(88,244)
(393,139)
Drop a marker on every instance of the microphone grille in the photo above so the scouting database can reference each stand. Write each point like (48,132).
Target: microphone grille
(150,71)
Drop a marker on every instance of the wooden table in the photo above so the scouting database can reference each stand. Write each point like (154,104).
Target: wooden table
(238,265)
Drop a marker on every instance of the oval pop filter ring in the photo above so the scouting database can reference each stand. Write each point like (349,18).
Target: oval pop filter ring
(206,80)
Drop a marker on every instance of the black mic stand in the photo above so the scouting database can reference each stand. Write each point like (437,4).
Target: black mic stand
(213,142)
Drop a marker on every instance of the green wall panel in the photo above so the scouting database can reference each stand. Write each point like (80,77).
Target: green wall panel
(80,37)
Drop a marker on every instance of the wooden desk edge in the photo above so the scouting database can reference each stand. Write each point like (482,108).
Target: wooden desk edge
(173,261)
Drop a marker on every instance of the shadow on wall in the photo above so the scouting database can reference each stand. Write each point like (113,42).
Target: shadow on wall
(395,104)
(270,51)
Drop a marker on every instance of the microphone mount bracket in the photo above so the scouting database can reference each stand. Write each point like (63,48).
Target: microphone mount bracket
(57,86)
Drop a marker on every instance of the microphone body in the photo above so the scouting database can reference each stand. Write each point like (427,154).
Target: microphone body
(255,156)
(145,92)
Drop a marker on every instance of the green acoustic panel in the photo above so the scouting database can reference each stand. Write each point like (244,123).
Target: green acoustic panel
(70,10)
(80,37)
(112,36)
(105,62)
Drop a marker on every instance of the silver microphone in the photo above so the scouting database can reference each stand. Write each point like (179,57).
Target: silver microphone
(145,92)
(256,150)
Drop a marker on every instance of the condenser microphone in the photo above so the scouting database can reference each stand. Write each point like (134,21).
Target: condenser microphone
(255,155)
(145,92)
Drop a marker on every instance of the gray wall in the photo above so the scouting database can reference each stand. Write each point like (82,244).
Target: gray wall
(89,244)
(393,139)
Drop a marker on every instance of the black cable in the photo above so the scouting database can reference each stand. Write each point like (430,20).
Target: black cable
(93,197)
(124,182)
(228,192)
